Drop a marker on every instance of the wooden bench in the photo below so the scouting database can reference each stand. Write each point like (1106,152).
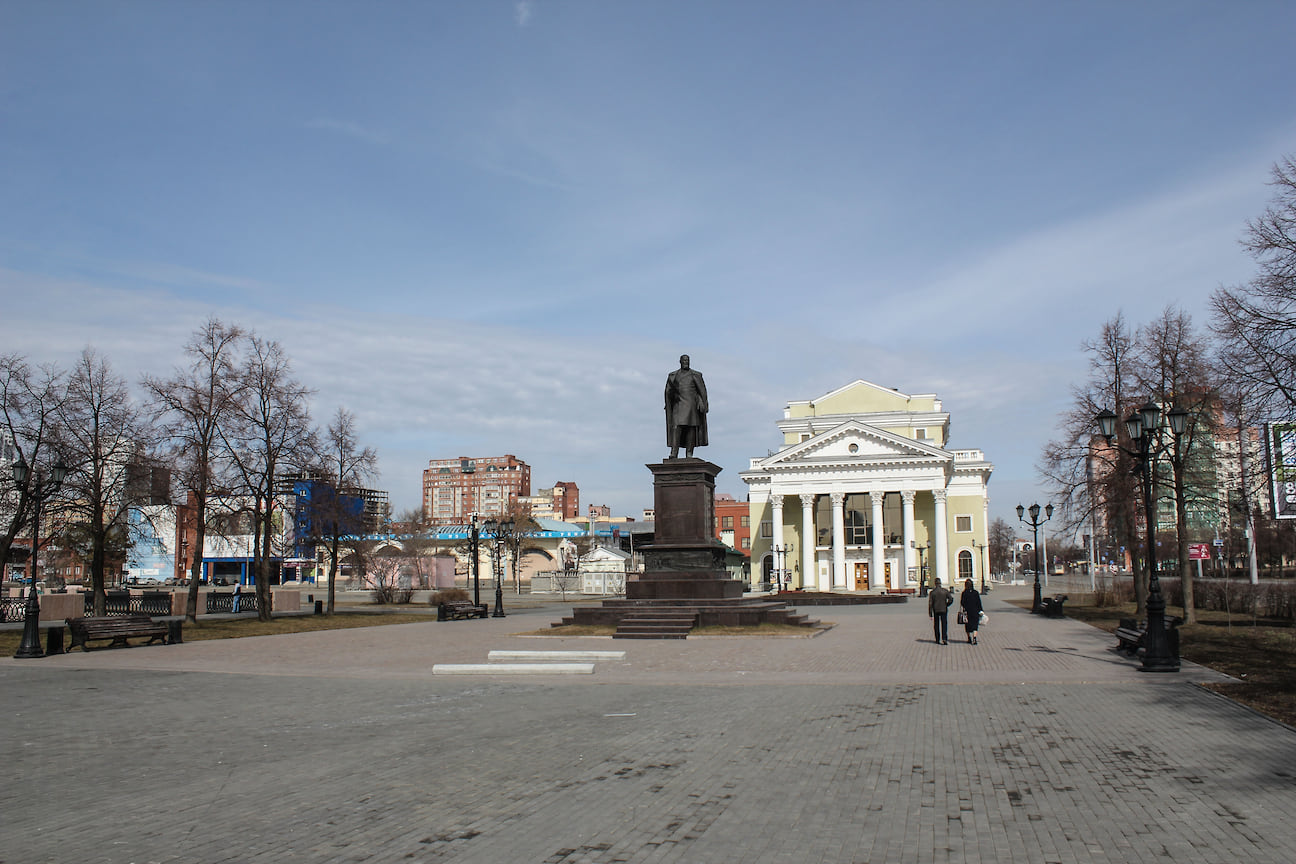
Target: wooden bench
(116,628)
(454,610)
(1051,607)
(1130,633)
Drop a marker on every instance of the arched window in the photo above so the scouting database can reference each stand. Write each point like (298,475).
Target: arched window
(965,565)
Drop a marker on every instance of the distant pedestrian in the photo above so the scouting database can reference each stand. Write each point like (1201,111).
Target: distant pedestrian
(238,590)
(970,603)
(938,603)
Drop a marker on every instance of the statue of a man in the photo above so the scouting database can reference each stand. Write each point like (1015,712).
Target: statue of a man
(686,410)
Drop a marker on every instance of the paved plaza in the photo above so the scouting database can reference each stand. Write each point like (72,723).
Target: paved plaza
(867,743)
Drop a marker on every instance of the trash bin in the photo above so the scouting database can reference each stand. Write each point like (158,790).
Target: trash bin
(54,640)
(319,607)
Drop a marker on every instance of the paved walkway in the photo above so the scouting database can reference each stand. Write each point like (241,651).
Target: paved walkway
(868,743)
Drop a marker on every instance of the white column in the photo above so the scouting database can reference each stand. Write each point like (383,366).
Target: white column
(837,578)
(807,540)
(983,564)
(941,552)
(776,519)
(909,551)
(877,573)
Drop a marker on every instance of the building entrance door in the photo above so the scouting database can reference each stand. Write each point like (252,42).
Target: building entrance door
(886,567)
(861,576)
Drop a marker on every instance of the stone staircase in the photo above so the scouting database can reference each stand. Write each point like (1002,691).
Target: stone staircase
(656,624)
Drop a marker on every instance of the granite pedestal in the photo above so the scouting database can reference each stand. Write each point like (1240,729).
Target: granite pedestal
(684,583)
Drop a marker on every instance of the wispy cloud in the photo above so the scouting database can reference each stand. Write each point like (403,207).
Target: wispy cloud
(349,129)
(523,12)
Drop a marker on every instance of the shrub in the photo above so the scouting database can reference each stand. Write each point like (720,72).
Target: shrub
(447,595)
(1113,591)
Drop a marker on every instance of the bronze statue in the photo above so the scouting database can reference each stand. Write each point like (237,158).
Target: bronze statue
(686,410)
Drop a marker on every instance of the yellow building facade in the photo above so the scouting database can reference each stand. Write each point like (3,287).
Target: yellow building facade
(865,495)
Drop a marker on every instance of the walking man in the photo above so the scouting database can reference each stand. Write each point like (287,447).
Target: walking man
(938,603)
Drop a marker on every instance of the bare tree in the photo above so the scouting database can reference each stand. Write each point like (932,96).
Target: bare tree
(1000,539)
(269,435)
(31,400)
(1256,322)
(1087,476)
(194,402)
(1241,414)
(1175,370)
(106,438)
(337,508)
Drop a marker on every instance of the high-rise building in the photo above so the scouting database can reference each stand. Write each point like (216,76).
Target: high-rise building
(560,502)
(453,489)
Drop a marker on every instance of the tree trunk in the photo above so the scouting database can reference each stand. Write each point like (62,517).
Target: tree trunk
(196,568)
(1181,545)
(97,584)
(333,571)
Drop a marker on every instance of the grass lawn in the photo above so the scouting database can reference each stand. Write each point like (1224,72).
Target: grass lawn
(1260,653)
(234,628)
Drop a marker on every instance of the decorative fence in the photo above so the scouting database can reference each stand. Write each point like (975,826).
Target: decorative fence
(223,601)
(124,603)
(12,609)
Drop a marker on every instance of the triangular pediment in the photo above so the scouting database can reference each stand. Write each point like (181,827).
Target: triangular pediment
(856,442)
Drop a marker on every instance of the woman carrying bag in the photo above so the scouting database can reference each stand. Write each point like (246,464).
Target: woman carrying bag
(970,611)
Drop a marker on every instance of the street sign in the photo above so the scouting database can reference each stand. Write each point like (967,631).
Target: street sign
(1199,552)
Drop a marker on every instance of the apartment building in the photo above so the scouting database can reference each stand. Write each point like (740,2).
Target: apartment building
(453,489)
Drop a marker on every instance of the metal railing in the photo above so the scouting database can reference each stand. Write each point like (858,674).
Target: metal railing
(13,608)
(122,603)
(223,601)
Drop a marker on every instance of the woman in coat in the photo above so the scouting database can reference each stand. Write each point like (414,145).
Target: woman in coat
(971,603)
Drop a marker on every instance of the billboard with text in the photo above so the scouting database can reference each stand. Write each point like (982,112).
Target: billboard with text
(1281,444)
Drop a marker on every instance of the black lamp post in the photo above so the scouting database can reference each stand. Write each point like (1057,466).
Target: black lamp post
(1144,429)
(38,489)
(499,531)
(475,537)
(780,566)
(984,567)
(1035,523)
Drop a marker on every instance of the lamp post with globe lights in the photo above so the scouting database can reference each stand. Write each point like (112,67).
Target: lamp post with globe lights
(38,489)
(500,531)
(1145,430)
(1035,522)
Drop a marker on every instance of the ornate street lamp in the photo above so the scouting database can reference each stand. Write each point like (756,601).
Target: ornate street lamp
(922,569)
(1035,522)
(38,489)
(475,537)
(499,531)
(780,566)
(1144,429)
(984,565)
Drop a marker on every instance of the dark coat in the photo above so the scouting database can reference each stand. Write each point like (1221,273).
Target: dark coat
(686,405)
(970,600)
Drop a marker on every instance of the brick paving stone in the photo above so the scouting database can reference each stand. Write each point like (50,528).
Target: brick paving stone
(865,744)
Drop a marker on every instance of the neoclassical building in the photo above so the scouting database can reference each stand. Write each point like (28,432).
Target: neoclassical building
(864,495)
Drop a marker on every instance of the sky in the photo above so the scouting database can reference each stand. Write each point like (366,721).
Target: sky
(493,227)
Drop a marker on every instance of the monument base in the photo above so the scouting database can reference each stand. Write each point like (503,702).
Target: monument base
(685,583)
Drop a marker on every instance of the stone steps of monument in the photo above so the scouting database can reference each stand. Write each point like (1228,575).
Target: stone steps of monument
(656,624)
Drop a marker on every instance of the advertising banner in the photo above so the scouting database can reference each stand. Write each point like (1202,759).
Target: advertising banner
(1281,444)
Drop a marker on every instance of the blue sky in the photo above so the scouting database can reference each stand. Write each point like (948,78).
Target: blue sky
(493,227)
